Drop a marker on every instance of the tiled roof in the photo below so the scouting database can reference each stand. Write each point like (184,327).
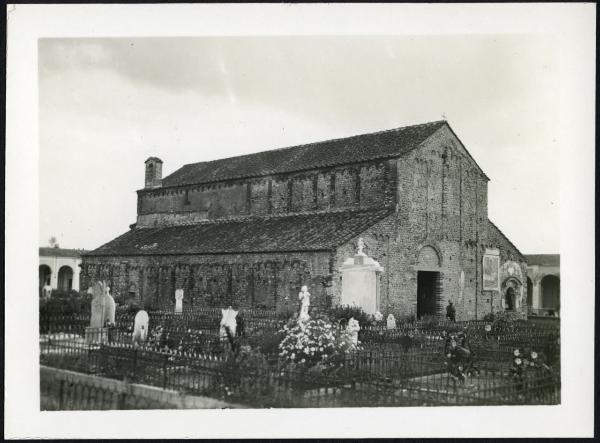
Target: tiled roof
(300,232)
(543,259)
(59,252)
(358,148)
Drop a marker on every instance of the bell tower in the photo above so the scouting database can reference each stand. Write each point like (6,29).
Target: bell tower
(153,173)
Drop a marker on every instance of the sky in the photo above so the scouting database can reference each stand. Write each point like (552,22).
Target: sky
(105,105)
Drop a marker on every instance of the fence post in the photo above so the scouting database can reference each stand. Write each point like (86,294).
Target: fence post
(134,375)
(166,359)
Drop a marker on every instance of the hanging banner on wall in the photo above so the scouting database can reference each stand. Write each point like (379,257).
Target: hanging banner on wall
(491,271)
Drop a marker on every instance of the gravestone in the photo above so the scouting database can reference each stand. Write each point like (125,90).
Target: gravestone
(109,307)
(360,281)
(178,301)
(391,321)
(352,329)
(140,327)
(97,332)
(228,321)
(98,306)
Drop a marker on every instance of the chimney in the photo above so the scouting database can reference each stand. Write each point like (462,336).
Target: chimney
(153,173)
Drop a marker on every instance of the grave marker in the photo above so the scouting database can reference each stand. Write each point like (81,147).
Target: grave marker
(178,301)
(140,327)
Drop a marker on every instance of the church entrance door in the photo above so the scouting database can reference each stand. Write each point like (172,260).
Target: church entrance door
(510,299)
(429,290)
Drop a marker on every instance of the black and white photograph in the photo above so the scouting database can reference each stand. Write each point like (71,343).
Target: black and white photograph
(298,221)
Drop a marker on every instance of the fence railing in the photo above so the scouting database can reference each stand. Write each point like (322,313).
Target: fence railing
(370,377)
(201,334)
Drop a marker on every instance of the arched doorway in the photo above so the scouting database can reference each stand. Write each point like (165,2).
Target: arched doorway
(509,299)
(429,283)
(551,294)
(45,275)
(65,279)
(529,293)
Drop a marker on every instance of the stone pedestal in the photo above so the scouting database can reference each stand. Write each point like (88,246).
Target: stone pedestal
(360,283)
(96,335)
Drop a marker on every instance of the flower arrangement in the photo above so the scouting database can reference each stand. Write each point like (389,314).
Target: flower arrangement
(526,361)
(315,343)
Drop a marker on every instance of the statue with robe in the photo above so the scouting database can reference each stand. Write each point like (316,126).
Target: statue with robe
(304,297)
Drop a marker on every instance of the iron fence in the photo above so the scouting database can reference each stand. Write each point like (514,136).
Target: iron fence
(374,377)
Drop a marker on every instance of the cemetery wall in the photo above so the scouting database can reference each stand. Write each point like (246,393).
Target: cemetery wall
(65,389)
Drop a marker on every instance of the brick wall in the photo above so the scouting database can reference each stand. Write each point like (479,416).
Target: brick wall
(441,206)
(271,280)
(508,252)
(361,185)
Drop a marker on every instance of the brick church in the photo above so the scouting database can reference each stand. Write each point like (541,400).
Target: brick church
(250,230)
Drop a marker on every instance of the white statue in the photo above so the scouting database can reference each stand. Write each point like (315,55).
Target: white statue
(110,307)
(103,306)
(178,301)
(352,330)
(360,247)
(228,321)
(140,328)
(391,321)
(304,297)
(378,316)
(46,291)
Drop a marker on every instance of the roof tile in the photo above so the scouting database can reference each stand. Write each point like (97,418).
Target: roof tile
(358,148)
(298,232)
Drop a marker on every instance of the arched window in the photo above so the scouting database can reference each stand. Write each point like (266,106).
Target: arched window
(551,292)
(45,274)
(65,278)
(428,257)
(529,292)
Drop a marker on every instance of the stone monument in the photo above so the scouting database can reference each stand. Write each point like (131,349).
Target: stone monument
(178,301)
(352,330)
(360,281)
(228,321)
(304,297)
(140,328)
(391,321)
(46,292)
(110,307)
(103,313)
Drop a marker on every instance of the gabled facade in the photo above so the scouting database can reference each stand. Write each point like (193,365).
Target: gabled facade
(252,229)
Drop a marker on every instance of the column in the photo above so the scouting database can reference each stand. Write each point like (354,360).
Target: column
(537,294)
(76,271)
